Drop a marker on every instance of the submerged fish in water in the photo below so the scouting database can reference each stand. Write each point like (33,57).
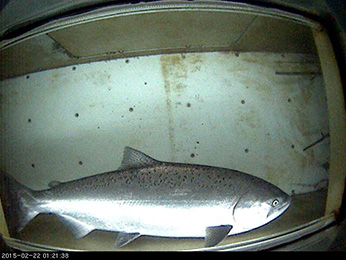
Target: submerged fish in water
(149,197)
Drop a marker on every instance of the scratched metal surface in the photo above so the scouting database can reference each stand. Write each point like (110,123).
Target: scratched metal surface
(254,112)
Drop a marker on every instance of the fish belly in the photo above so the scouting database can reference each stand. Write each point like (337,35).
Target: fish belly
(188,221)
(147,218)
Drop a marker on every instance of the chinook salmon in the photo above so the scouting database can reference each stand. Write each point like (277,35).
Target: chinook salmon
(149,197)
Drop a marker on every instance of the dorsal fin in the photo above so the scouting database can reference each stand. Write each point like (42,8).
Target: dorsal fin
(135,159)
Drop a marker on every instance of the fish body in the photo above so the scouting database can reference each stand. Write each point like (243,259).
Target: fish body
(149,197)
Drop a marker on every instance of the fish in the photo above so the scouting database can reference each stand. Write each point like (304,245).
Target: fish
(148,197)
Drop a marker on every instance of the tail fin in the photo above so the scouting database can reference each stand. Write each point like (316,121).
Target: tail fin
(18,203)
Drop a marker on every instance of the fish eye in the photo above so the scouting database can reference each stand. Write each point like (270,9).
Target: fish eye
(275,203)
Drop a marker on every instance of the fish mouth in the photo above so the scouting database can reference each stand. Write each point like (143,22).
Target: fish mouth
(285,205)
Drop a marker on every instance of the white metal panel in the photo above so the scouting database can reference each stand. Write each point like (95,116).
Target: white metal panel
(253,112)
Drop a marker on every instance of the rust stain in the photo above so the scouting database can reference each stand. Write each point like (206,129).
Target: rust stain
(303,160)
(99,78)
(167,62)
(175,70)
(271,174)
(300,114)
(56,75)
(248,121)
(250,118)
(195,60)
(2,99)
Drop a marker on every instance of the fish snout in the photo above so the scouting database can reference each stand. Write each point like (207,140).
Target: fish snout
(277,211)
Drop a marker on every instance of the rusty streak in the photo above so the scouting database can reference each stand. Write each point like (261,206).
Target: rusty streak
(318,141)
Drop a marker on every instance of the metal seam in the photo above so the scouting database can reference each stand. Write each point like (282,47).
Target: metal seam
(114,11)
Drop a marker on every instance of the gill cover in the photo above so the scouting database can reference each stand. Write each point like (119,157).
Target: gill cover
(250,211)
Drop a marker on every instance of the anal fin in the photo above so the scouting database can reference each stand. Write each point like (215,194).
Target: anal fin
(79,229)
(214,235)
(124,238)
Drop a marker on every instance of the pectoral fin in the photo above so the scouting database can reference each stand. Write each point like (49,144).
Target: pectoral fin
(124,238)
(214,235)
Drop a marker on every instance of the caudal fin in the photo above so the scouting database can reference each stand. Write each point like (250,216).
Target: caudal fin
(18,203)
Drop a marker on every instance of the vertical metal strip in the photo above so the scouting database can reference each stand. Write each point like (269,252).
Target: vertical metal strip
(337,121)
(3,226)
